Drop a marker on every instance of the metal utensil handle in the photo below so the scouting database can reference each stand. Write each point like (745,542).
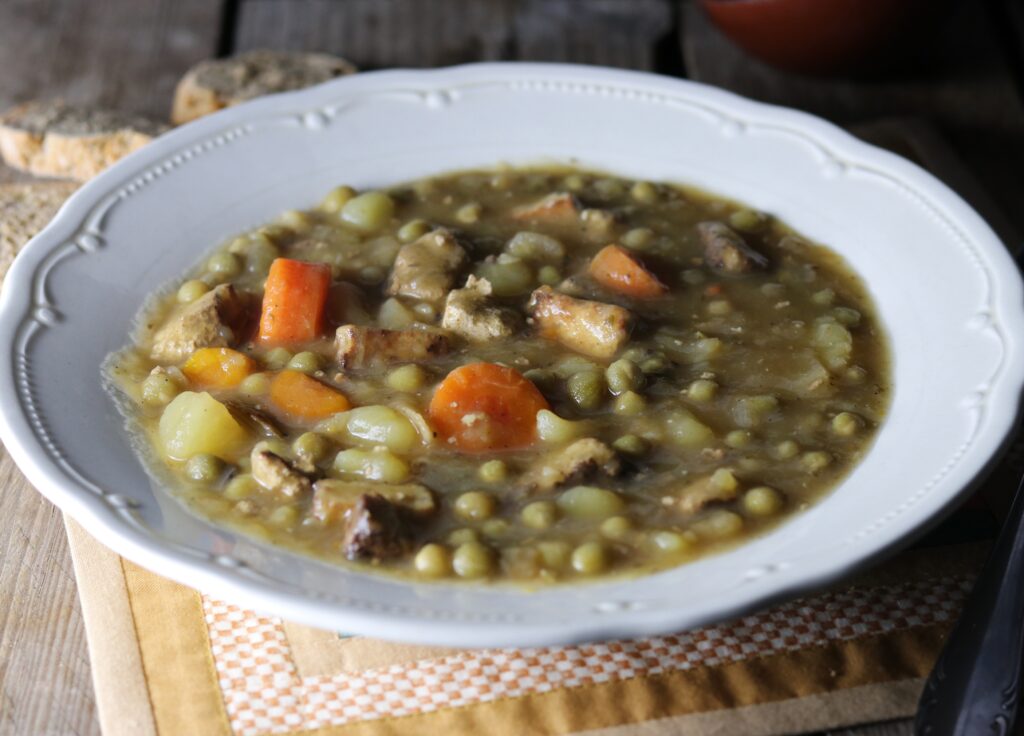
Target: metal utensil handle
(975,686)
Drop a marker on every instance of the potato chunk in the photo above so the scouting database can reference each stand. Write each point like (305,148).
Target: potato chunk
(196,423)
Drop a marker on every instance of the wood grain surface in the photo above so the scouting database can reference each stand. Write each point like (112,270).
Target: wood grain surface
(129,54)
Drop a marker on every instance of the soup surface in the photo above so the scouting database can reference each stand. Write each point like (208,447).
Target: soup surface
(526,375)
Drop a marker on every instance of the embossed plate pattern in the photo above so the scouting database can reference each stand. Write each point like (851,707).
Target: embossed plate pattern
(948,293)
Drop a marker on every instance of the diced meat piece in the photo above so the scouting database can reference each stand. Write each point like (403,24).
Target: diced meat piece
(726,252)
(359,347)
(426,268)
(719,487)
(375,528)
(558,207)
(333,499)
(211,321)
(275,473)
(469,313)
(578,463)
(588,327)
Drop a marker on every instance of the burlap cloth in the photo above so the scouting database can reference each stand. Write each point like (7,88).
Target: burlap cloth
(167,660)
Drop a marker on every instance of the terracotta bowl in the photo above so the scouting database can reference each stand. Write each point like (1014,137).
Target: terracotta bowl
(828,36)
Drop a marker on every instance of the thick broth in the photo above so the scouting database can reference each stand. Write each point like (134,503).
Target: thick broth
(737,399)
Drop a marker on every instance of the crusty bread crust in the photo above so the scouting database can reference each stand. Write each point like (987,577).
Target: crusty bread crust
(54,139)
(218,83)
(25,209)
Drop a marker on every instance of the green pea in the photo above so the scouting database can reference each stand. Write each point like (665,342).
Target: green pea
(336,199)
(204,468)
(413,230)
(616,527)
(258,384)
(475,505)
(645,192)
(638,238)
(432,561)
(845,424)
(719,307)
(631,444)
(277,359)
(630,404)
(539,514)
(586,389)
(369,211)
(738,438)
(657,363)
(472,560)
(240,487)
(670,542)
(816,461)
(305,362)
(747,220)
(469,214)
(825,297)
(624,375)
(311,445)
(702,390)
(224,265)
(493,471)
(407,378)
(574,183)
(590,558)
(259,255)
(161,386)
(298,221)
(846,316)
(191,290)
(762,501)
(549,275)
(786,450)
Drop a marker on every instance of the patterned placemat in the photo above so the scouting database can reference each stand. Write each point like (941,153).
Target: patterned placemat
(170,661)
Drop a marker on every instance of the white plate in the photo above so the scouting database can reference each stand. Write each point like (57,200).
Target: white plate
(948,293)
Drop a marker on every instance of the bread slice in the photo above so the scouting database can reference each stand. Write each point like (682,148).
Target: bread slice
(218,83)
(55,139)
(25,209)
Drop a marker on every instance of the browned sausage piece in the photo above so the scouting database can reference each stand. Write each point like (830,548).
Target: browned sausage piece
(726,252)
(211,321)
(577,463)
(360,347)
(469,313)
(426,268)
(588,327)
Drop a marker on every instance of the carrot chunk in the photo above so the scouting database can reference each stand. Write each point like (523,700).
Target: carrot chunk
(617,269)
(483,406)
(304,398)
(218,367)
(293,301)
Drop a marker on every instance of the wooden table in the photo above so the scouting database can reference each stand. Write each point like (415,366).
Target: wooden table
(130,53)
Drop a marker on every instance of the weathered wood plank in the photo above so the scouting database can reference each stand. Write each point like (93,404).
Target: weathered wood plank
(969,94)
(117,53)
(45,685)
(411,33)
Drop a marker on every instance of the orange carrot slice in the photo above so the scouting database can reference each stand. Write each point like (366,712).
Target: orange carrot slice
(218,367)
(483,406)
(617,269)
(293,301)
(304,398)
